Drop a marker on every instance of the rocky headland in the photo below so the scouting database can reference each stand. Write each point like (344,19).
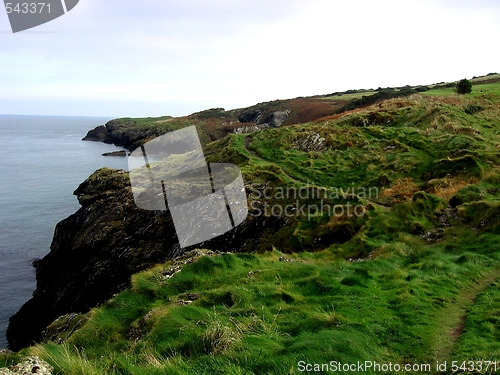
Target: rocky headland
(96,250)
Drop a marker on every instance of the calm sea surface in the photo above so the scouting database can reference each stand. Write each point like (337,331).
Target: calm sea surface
(42,161)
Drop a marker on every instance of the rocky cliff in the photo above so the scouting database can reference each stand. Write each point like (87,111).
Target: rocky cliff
(96,250)
(121,133)
(93,252)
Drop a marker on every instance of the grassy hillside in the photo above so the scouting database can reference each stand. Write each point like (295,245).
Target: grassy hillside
(410,278)
(216,123)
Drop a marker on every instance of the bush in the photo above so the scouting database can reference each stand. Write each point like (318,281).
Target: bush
(464,87)
(423,88)
(470,109)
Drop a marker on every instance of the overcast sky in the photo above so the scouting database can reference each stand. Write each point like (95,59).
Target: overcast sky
(167,57)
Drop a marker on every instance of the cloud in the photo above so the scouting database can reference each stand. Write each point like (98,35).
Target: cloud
(175,57)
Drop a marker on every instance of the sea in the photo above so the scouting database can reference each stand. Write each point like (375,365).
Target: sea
(42,161)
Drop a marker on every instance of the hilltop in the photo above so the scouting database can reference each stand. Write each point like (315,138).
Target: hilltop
(217,123)
(408,275)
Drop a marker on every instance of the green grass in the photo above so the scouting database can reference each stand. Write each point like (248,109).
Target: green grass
(422,140)
(444,91)
(9,359)
(480,339)
(255,314)
(478,91)
(413,280)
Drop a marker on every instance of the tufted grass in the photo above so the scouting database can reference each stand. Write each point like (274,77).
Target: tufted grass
(415,281)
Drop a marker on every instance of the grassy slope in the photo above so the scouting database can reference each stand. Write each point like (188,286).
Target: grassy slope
(417,282)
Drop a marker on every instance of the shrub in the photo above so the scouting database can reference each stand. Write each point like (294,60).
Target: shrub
(470,109)
(423,88)
(463,87)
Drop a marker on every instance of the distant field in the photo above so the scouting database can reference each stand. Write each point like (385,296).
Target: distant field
(487,78)
(492,88)
(440,92)
(348,97)
(477,90)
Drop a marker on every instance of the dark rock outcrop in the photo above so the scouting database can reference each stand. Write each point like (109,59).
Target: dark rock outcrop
(93,254)
(268,117)
(115,153)
(96,250)
(123,133)
(252,115)
(99,134)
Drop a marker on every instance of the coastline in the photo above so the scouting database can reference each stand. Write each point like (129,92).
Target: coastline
(43,161)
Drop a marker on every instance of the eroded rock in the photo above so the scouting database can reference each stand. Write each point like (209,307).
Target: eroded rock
(310,141)
(31,365)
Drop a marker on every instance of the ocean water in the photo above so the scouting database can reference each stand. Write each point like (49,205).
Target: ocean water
(42,161)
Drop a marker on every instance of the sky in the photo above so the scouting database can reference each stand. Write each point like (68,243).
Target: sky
(166,57)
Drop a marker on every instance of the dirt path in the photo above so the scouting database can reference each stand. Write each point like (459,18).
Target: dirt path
(248,139)
(452,319)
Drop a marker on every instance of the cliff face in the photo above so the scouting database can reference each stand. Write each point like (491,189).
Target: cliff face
(93,252)
(121,133)
(96,250)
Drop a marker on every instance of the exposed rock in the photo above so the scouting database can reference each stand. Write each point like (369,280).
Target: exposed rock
(96,250)
(434,235)
(277,118)
(251,115)
(93,254)
(215,123)
(63,327)
(137,331)
(121,132)
(449,217)
(250,128)
(31,365)
(310,141)
(115,153)
(259,117)
(99,134)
